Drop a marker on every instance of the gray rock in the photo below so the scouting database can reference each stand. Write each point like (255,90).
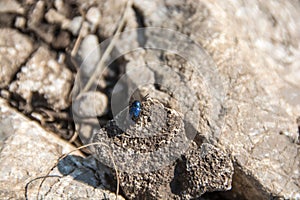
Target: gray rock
(56,17)
(6,130)
(138,72)
(20,22)
(93,15)
(259,83)
(75,24)
(44,76)
(90,104)
(86,129)
(15,48)
(11,6)
(60,6)
(110,22)
(5,94)
(53,16)
(30,152)
(89,52)
(156,158)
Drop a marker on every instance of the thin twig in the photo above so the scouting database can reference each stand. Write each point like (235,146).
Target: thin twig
(108,50)
(27,184)
(79,38)
(74,137)
(77,42)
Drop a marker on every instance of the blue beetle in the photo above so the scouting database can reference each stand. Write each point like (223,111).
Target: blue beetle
(135,109)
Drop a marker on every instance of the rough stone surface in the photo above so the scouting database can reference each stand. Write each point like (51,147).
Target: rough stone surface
(156,158)
(257,66)
(15,48)
(43,75)
(30,152)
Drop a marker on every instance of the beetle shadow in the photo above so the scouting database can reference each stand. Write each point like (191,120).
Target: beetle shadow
(88,171)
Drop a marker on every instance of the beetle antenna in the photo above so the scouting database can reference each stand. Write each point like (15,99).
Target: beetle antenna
(146,97)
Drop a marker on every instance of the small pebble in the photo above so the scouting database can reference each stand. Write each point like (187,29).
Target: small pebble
(93,16)
(5,94)
(89,52)
(20,22)
(90,104)
(74,25)
(59,5)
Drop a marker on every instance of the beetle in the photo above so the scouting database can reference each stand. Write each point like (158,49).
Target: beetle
(136,108)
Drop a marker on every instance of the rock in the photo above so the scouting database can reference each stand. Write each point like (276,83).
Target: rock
(11,6)
(20,22)
(89,52)
(60,6)
(138,72)
(30,152)
(86,129)
(256,109)
(6,130)
(90,104)
(5,94)
(75,24)
(52,16)
(157,159)
(204,168)
(61,39)
(48,32)
(37,14)
(93,16)
(110,22)
(42,75)
(34,22)
(55,17)
(15,48)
